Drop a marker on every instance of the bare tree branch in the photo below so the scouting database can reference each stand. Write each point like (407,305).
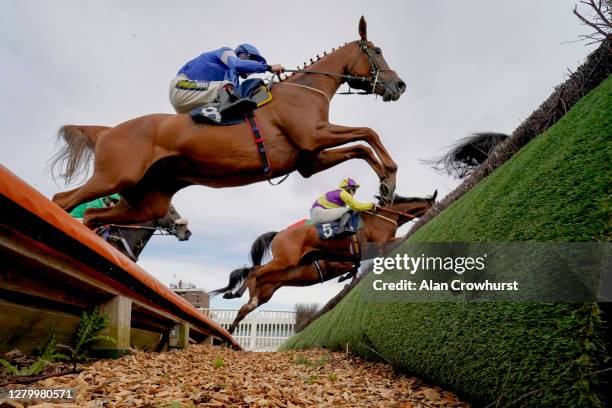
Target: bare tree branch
(600,13)
(587,22)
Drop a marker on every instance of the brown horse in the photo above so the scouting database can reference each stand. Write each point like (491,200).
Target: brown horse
(150,158)
(295,249)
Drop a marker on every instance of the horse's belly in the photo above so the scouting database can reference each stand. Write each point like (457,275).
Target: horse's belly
(225,181)
(236,168)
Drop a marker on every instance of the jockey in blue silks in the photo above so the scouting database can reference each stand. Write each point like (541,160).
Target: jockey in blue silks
(214,75)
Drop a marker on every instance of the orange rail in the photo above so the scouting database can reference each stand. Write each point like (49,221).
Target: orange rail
(32,200)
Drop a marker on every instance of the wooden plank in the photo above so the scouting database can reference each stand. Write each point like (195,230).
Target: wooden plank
(179,336)
(27,328)
(145,339)
(119,311)
(27,269)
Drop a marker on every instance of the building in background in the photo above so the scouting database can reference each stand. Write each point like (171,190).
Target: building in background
(262,330)
(194,295)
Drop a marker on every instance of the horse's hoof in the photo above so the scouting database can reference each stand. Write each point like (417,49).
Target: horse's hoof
(387,192)
(384,189)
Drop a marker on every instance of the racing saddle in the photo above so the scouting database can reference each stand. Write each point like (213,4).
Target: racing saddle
(252,90)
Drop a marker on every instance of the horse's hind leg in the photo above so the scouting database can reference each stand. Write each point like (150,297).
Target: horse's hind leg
(269,277)
(247,307)
(115,169)
(99,185)
(258,295)
(61,197)
(153,205)
(238,293)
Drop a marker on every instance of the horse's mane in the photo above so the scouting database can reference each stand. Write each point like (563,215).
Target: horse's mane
(314,60)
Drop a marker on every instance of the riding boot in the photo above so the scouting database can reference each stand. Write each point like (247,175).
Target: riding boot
(230,106)
(343,227)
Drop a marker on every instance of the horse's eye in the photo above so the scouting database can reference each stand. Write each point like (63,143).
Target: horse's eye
(378,50)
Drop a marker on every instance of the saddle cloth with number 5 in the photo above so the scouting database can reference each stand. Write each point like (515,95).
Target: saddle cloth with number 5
(328,230)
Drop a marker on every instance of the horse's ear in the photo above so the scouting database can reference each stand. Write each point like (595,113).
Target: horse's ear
(434,195)
(363,29)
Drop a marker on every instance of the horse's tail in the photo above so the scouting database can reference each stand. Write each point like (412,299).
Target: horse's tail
(261,246)
(74,158)
(467,154)
(237,276)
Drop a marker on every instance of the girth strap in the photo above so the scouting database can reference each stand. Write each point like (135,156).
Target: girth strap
(318,268)
(259,143)
(355,247)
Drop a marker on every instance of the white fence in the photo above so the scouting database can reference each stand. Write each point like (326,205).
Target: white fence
(264,330)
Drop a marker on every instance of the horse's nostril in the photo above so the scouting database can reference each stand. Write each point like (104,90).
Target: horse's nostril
(401,86)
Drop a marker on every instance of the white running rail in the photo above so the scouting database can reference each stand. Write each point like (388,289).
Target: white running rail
(264,330)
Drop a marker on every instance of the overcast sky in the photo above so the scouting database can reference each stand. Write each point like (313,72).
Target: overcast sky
(469,66)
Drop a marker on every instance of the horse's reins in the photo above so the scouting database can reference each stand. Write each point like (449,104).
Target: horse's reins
(401,213)
(383,217)
(308,87)
(162,230)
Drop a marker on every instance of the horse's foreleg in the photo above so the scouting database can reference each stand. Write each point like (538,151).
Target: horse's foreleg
(332,157)
(367,135)
(335,135)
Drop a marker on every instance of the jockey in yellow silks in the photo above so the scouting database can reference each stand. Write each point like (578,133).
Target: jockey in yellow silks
(336,204)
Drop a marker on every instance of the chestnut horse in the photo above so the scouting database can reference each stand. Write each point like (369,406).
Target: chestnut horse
(148,159)
(294,250)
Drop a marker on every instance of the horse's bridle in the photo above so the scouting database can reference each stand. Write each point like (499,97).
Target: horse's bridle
(373,80)
(375,70)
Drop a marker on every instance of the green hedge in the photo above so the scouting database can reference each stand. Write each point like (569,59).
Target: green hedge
(557,188)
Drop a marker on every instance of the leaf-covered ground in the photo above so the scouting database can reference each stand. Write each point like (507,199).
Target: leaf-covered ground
(207,376)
